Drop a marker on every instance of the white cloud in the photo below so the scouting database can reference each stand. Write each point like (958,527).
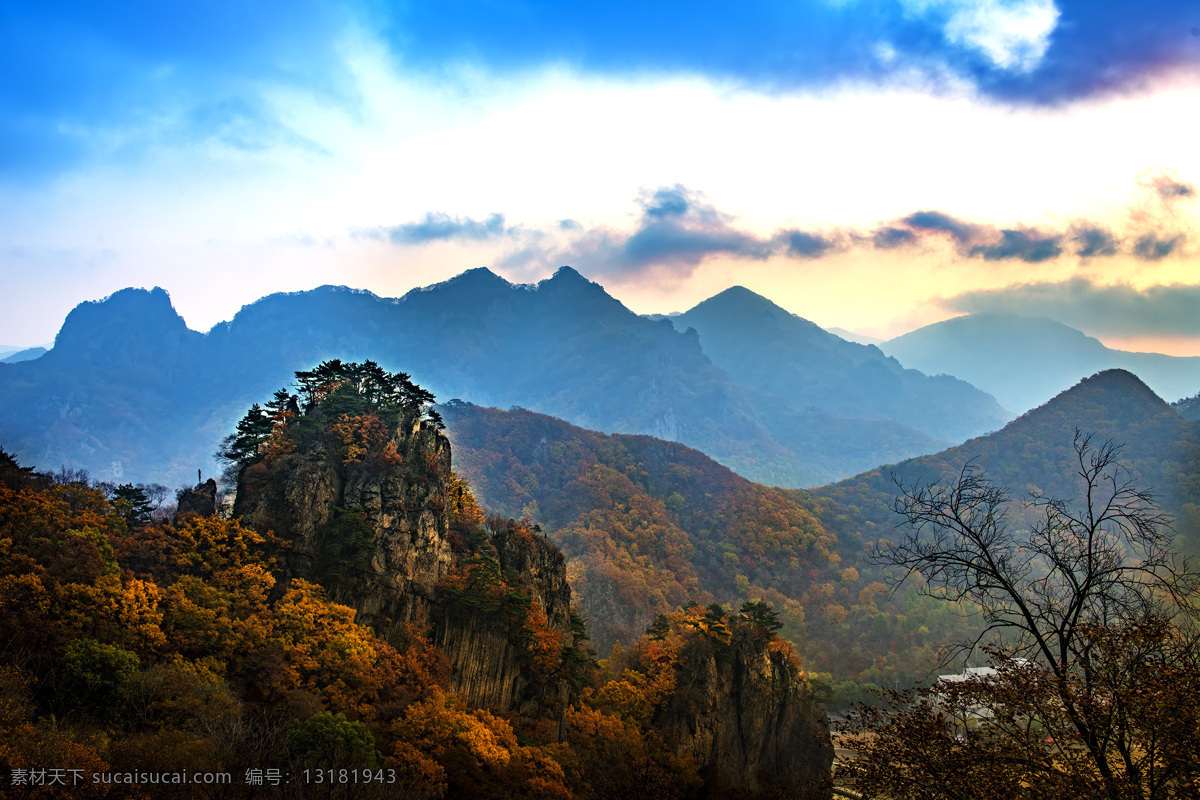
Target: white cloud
(1013,34)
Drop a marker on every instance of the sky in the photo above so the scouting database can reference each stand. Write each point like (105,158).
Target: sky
(874,165)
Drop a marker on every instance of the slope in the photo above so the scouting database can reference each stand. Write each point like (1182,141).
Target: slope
(764,347)
(648,525)
(1034,453)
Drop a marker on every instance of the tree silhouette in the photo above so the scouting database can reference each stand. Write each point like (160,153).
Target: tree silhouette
(1078,611)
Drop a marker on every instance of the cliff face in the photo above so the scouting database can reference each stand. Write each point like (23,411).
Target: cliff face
(748,717)
(375,533)
(489,671)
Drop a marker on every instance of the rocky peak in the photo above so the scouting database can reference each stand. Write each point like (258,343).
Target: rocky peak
(201,501)
(361,485)
(128,326)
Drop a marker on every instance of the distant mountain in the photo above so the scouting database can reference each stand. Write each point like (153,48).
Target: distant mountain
(1034,452)
(1024,361)
(130,392)
(851,336)
(28,354)
(766,348)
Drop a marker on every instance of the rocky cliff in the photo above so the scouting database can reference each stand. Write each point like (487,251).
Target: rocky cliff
(745,713)
(368,511)
(375,535)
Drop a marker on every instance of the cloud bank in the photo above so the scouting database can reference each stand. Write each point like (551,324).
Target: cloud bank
(1116,310)
(676,229)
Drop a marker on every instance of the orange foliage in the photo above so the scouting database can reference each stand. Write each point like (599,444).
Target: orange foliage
(279,443)
(359,436)
(402,676)
(545,644)
(475,748)
(140,617)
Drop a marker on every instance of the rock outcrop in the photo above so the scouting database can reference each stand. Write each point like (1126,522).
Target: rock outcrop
(376,536)
(747,716)
(201,501)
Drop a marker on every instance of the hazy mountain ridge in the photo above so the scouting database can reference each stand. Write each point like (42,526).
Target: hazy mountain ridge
(1024,361)
(28,354)
(129,391)
(766,348)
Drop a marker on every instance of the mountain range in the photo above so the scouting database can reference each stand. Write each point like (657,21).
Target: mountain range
(1023,361)
(129,392)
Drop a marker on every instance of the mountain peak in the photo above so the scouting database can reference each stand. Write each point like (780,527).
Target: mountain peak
(574,293)
(565,273)
(739,299)
(1114,386)
(478,278)
(94,327)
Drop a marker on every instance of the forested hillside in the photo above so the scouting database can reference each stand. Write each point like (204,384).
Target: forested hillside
(646,524)
(1034,454)
(142,647)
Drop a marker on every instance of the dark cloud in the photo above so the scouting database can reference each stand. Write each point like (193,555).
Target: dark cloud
(1101,47)
(1095,241)
(1170,189)
(1090,46)
(1028,246)
(888,237)
(1119,310)
(1031,245)
(806,245)
(437,227)
(666,203)
(960,231)
(975,241)
(676,231)
(660,243)
(1153,248)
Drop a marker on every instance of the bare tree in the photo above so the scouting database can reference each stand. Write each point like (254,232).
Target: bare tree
(1076,594)
(1104,559)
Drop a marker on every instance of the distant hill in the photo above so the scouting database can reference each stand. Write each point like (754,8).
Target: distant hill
(1024,361)
(28,354)
(766,348)
(1034,452)
(129,392)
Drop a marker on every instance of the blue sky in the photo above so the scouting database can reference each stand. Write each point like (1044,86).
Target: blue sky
(959,154)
